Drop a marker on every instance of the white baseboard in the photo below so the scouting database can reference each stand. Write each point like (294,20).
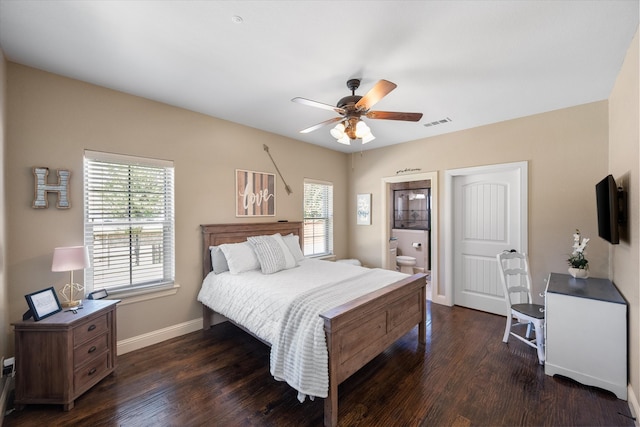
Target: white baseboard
(632,400)
(155,337)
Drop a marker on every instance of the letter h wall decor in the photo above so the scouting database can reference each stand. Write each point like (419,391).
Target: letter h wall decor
(42,188)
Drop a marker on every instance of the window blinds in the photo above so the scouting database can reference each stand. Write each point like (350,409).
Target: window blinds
(318,218)
(129,221)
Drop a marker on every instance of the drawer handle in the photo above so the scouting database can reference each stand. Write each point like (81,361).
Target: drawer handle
(91,328)
(92,349)
(92,371)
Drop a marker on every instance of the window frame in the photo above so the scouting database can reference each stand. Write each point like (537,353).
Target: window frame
(165,221)
(327,242)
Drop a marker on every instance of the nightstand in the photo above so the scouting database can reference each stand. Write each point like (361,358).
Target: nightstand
(64,355)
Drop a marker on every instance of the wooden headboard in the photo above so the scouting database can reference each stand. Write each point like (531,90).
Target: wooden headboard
(217,234)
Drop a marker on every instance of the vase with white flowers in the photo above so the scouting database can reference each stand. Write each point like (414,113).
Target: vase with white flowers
(578,264)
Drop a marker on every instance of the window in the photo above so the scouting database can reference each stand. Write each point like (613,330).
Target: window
(318,218)
(128,222)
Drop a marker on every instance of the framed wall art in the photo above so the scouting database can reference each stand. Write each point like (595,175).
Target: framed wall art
(255,193)
(363,209)
(42,304)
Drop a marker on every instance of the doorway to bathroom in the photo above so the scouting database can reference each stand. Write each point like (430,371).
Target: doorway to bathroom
(412,225)
(409,207)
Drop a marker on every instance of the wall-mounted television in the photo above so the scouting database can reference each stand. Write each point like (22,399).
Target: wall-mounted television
(610,204)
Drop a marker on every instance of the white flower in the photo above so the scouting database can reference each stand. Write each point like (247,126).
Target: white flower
(583,245)
(577,259)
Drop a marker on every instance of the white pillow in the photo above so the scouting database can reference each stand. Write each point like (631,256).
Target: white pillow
(272,253)
(218,261)
(293,243)
(290,260)
(240,257)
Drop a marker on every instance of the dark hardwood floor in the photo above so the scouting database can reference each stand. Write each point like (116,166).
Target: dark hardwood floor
(463,376)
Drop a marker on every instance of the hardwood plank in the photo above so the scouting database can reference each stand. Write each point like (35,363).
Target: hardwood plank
(464,375)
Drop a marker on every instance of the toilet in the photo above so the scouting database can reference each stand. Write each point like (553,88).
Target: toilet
(406,263)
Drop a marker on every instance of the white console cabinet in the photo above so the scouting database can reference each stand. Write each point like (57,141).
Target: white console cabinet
(586,332)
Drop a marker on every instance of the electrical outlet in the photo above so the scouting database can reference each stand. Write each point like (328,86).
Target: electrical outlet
(8,366)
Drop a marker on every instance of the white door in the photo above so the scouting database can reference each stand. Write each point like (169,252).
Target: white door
(489,216)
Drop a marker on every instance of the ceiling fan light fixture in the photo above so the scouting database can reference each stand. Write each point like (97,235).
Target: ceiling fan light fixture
(338,131)
(345,140)
(362,129)
(368,138)
(350,132)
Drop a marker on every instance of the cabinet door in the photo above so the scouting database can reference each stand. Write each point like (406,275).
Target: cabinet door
(45,353)
(586,341)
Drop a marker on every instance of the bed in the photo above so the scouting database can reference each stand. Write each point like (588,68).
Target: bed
(357,330)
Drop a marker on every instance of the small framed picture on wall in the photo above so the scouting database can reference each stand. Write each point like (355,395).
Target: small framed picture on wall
(363,209)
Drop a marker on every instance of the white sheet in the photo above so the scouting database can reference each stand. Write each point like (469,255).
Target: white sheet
(270,304)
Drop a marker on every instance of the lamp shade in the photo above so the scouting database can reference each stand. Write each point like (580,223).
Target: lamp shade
(345,140)
(368,138)
(362,129)
(70,258)
(338,131)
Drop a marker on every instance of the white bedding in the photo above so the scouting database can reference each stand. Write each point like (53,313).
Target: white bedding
(283,309)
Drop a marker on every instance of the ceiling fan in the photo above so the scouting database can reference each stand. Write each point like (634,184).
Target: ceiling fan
(351,108)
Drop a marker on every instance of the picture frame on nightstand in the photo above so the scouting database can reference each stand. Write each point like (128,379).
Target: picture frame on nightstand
(42,304)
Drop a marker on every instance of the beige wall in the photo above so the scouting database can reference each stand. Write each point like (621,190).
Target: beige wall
(624,165)
(566,151)
(5,328)
(53,119)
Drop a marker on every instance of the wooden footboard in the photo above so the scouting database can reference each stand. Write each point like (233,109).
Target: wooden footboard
(357,331)
(361,329)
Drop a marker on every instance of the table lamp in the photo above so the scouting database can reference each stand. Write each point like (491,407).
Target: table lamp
(69,259)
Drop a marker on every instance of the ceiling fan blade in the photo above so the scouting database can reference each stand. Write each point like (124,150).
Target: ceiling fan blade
(317,104)
(379,91)
(322,124)
(391,115)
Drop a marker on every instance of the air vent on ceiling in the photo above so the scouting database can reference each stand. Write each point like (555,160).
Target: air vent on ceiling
(438,122)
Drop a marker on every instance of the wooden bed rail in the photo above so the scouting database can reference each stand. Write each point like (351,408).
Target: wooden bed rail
(361,329)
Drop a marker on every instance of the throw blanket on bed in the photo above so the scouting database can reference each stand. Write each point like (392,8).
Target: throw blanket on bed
(299,356)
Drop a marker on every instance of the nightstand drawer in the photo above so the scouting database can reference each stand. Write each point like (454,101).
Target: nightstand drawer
(90,350)
(91,373)
(90,329)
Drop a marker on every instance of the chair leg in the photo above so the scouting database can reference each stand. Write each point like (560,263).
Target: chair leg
(507,328)
(528,334)
(540,341)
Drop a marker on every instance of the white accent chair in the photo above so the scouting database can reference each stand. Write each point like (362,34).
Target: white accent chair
(516,283)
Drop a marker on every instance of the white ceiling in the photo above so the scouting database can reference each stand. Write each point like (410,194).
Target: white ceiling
(476,62)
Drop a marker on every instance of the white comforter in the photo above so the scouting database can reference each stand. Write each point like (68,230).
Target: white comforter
(283,309)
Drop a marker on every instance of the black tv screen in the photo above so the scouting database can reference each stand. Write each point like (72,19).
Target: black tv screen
(608,209)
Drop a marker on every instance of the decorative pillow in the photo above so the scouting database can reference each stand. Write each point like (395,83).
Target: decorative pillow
(273,254)
(290,260)
(218,261)
(293,243)
(240,257)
